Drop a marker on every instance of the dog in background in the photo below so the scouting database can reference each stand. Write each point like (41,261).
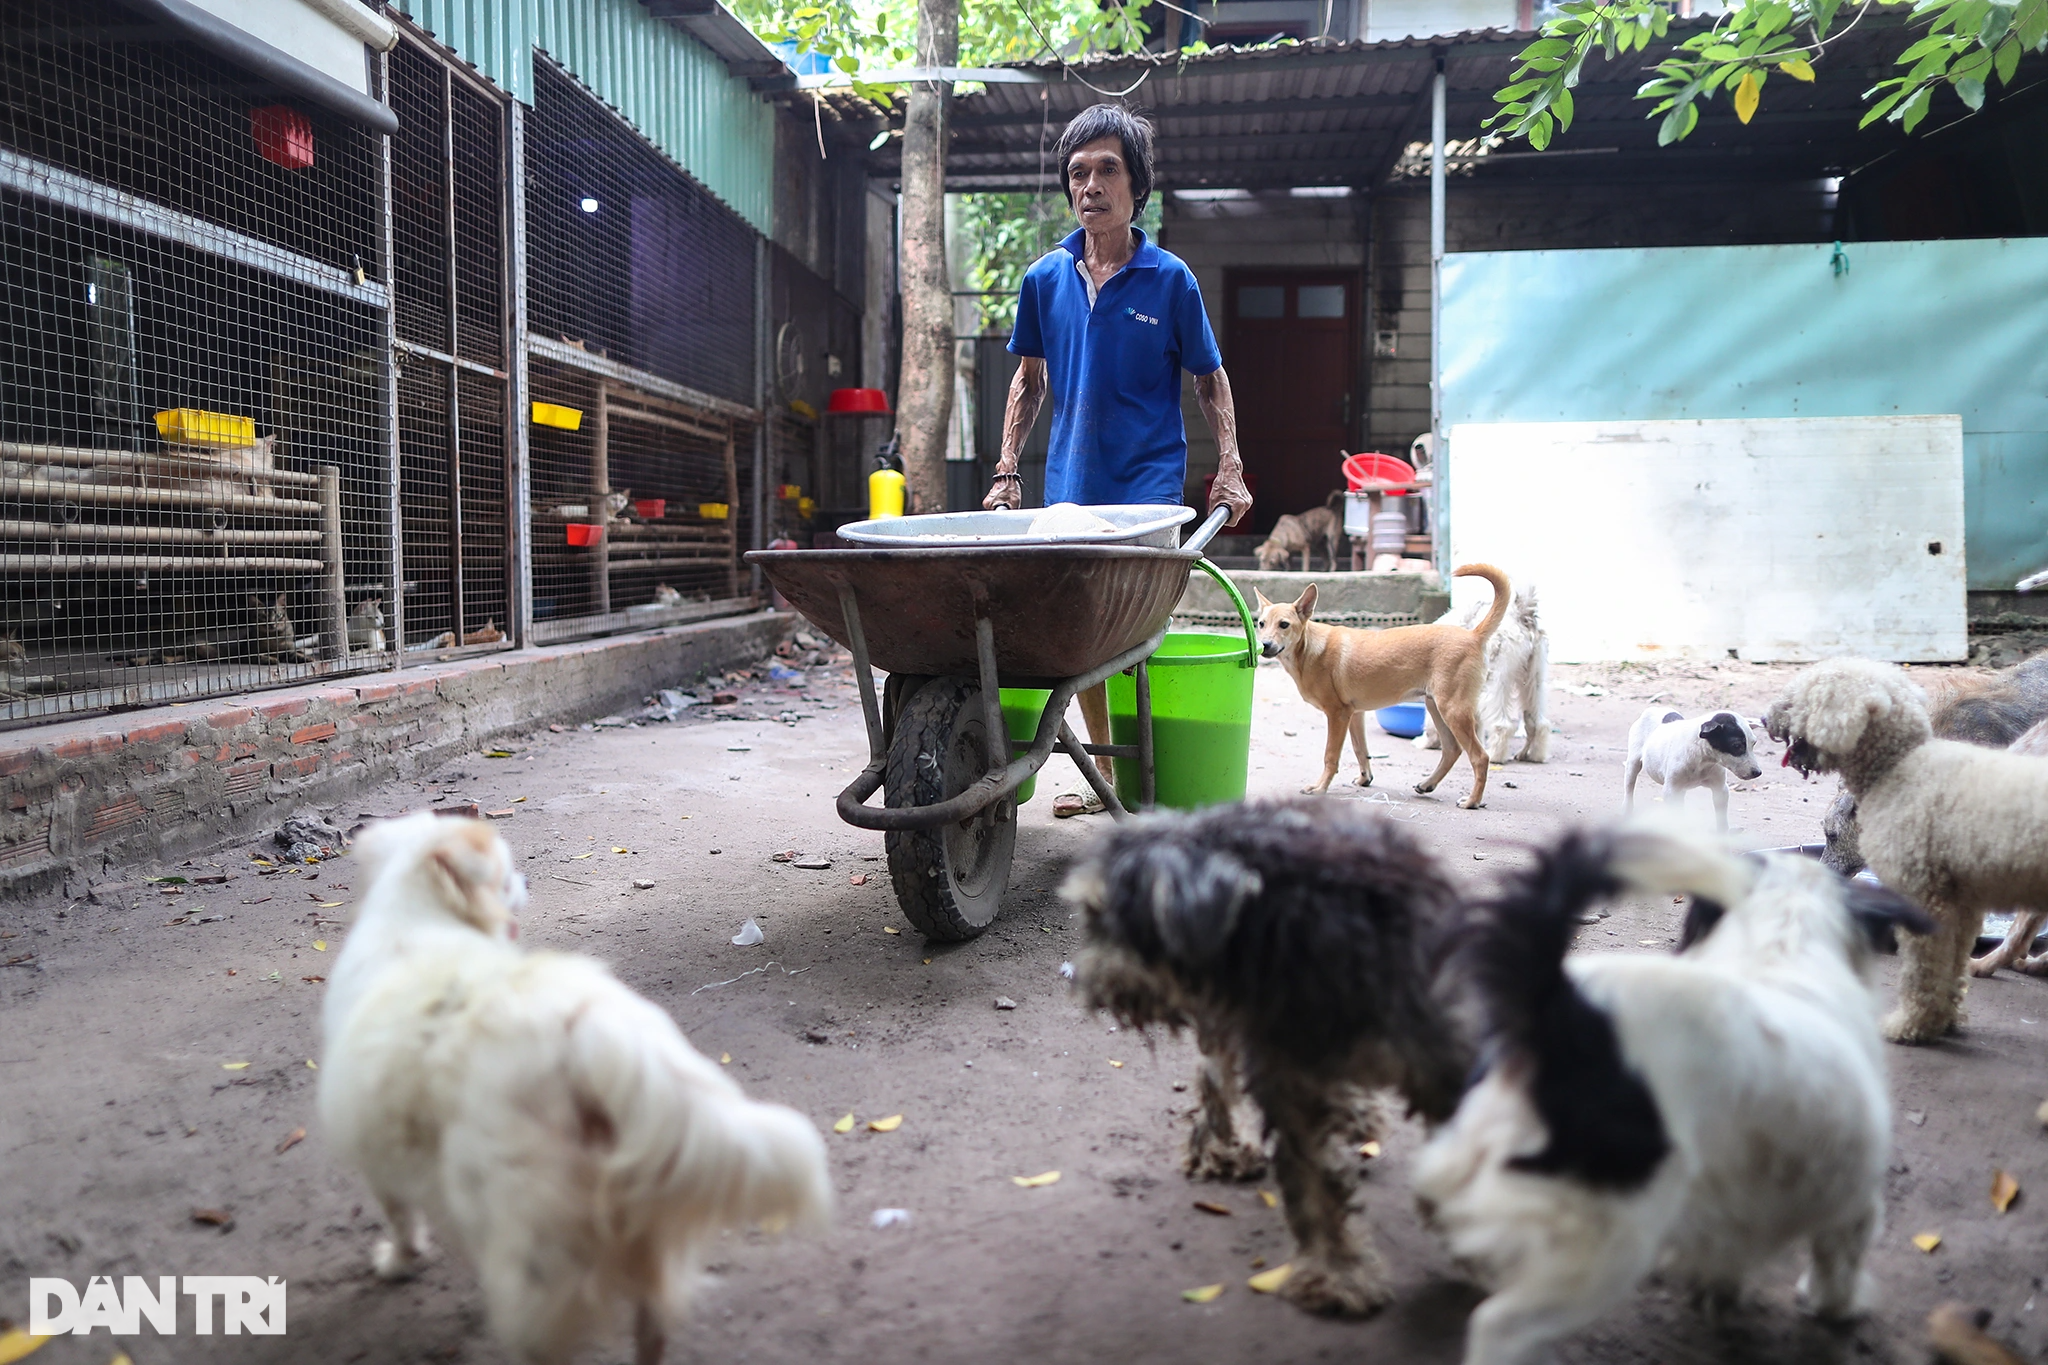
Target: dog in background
(554,1123)
(1679,755)
(1696,1113)
(1299,941)
(1298,532)
(1952,826)
(1516,689)
(1344,673)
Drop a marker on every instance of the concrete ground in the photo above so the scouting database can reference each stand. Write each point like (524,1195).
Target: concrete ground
(126,1018)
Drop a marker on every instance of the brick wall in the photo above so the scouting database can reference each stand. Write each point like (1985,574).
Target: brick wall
(79,797)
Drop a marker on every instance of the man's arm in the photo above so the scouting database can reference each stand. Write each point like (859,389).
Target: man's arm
(1212,392)
(1027,395)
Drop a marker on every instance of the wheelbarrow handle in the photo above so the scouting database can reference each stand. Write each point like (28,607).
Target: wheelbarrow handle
(1208,529)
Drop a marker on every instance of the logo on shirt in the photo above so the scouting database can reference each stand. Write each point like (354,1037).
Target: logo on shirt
(1134,313)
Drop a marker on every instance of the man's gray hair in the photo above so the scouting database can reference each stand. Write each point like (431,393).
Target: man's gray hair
(1112,120)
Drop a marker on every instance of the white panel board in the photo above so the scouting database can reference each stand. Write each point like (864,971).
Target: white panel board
(1776,538)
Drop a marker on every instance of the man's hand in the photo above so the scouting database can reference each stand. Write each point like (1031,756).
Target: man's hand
(1228,489)
(1006,490)
(1212,392)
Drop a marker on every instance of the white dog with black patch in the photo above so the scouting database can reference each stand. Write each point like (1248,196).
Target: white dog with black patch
(1679,755)
(1696,1113)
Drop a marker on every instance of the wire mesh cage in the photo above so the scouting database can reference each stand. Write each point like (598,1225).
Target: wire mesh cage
(450,309)
(640,301)
(192,363)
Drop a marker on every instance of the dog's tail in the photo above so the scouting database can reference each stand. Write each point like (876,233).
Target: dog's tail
(1604,1126)
(684,1149)
(1502,596)
(1337,496)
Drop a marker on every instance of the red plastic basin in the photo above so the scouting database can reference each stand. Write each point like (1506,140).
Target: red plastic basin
(650,509)
(857,400)
(1371,467)
(580,534)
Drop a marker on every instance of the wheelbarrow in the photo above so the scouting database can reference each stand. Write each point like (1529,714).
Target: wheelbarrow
(951,626)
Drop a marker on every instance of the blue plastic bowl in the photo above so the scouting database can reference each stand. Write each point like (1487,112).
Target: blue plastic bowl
(1403,721)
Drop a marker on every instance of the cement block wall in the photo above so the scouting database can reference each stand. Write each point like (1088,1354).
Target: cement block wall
(80,797)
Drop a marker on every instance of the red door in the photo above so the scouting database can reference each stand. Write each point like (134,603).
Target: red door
(1290,340)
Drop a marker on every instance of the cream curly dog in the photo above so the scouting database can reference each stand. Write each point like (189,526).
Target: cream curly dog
(1955,827)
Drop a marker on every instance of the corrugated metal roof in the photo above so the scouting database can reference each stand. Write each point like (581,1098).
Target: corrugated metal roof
(1331,113)
(680,95)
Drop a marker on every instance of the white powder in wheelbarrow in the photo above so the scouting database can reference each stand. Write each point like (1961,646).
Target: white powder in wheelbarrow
(1068,519)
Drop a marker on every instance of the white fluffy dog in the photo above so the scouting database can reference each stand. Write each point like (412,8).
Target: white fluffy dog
(1956,827)
(554,1123)
(1697,1113)
(1513,695)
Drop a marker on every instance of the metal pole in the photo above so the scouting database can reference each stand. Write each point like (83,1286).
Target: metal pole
(600,497)
(1440,494)
(760,536)
(517,397)
(393,482)
(455,602)
(334,589)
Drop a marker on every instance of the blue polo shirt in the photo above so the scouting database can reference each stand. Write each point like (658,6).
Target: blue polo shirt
(1114,371)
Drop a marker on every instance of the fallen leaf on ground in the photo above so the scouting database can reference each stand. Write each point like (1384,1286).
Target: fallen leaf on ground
(891,929)
(1956,1332)
(291,1139)
(312,1065)
(1118,1065)
(1368,1149)
(1270,1199)
(579,857)
(844,1125)
(1206,1206)
(312,980)
(1927,1241)
(725,1059)
(214,1218)
(1268,1281)
(234,1066)
(169,881)
(2004,1189)
(1033,1182)
(619,850)
(120,1358)
(15,1344)
(498,753)
(887,1125)
(1206,1294)
(517,799)
(927,962)
(319,945)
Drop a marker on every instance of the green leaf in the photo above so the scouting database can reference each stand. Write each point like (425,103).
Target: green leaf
(1519,90)
(1799,69)
(1546,47)
(1881,108)
(1722,52)
(1668,131)
(1934,43)
(1915,109)
(2032,24)
(1539,132)
(847,64)
(1970,91)
(2007,59)
(1660,20)
(1562,107)
(1997,20)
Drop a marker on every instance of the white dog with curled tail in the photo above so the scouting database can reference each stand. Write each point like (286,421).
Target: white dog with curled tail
(553,1123)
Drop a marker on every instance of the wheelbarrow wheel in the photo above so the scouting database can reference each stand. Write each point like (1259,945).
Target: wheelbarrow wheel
(950,881)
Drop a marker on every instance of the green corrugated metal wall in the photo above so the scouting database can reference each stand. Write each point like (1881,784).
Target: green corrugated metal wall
(674,90)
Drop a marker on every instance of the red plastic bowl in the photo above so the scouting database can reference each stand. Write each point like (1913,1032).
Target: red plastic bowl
(580,534)
(857,400)
(1370,467)
(651,509)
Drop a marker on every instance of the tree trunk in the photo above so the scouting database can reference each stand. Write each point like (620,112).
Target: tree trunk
(924,400)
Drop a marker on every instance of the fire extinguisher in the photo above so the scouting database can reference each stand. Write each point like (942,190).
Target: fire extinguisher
(886,486)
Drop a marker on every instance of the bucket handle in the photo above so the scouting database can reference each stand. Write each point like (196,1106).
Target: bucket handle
(1251,631)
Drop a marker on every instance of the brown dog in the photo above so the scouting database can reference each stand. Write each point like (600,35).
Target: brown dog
(1297,534)
(1344,673)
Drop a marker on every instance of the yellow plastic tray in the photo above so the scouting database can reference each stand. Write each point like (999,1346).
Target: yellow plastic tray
(197,427)
(555,415)
(713,511)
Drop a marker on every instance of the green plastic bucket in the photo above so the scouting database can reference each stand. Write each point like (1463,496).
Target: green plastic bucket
(1022,706)
(1201,715)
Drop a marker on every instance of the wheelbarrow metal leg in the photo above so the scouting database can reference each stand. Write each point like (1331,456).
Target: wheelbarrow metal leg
(871,710)
(1147,777)
(995,734)
(1071,747)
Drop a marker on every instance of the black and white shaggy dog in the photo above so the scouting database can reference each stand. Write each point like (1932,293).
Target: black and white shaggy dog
(1696,1113)
(1300,941)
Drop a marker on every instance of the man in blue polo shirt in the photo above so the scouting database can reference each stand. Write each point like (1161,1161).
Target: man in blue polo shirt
(1107,321)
